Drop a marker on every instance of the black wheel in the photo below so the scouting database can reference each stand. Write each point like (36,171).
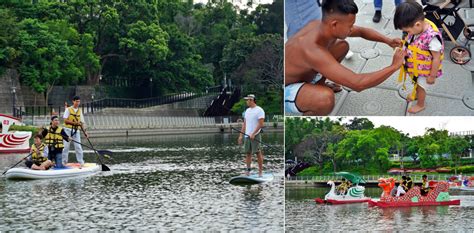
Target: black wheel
(469,31)
(460,55)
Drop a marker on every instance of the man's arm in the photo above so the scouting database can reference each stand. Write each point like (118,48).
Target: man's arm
(242,130)
(65,136)
(329,67)
(372,35)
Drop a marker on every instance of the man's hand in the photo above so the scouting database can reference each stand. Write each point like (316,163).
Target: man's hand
(252,137)
(239,140)
(394,43)
(86,134)
(431,80)
(398,57)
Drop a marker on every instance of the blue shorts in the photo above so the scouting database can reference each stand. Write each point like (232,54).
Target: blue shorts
(298,13)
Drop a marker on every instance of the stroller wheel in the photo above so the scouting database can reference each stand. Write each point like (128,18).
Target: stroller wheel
(469,31)
(460,55)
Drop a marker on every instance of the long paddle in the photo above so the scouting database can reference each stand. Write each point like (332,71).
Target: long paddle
(104,167)
(249,137)
(16,164)
(104,153)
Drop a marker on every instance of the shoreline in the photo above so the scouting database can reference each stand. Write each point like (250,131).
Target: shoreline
(102,133)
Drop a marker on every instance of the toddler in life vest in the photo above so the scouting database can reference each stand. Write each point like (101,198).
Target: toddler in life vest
(424,48)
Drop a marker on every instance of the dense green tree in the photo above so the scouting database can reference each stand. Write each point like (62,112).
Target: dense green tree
(47,55)
(359,124)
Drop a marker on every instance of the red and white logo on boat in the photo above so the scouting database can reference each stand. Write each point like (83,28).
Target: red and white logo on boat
(10,140)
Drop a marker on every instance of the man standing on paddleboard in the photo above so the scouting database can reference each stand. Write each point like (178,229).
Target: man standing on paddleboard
(253,124)
(73,125)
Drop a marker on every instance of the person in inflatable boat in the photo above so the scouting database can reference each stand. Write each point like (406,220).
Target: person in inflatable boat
(39,155)
(424,48)
(54,136)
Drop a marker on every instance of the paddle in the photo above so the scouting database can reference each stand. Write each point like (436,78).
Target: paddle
(104,167)
(249,137)
(104,153)
(16,164)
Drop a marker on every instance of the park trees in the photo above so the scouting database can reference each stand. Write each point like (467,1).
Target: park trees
(355,146)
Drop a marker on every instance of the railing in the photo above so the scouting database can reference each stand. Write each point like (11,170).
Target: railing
(374,178)
(138,103)
(97,105)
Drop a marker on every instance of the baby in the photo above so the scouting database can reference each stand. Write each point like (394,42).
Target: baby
(424,47)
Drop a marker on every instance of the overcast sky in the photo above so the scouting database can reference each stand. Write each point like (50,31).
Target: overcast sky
(416,125)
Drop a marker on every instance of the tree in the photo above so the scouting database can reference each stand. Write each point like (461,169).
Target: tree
(45,56)
(359,124)
(457,146)
(8,33)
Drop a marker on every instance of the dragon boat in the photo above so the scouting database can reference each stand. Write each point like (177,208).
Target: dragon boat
(354,194)
(437,196)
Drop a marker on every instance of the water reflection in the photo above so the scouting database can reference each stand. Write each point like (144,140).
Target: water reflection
(303,214)
(165,186)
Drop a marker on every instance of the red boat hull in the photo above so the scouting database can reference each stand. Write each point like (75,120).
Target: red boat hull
(409,204)
(337,202)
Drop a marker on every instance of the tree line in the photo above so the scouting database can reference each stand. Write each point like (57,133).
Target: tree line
(333,146)
(177,45)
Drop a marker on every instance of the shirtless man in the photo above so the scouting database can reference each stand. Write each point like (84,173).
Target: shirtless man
(319,48)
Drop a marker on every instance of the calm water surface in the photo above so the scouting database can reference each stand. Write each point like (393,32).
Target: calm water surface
(303,214)
(156,183)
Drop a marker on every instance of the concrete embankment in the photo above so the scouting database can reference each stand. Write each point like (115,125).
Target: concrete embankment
(218,128)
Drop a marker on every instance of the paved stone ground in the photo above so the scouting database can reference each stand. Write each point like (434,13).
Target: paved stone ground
(452,94)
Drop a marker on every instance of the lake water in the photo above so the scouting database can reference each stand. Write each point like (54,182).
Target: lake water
(303,214)
(156,183)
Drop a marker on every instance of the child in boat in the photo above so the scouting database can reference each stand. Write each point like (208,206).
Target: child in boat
(342,188)
(424,47)
(407,183)
(39,155)
(425,187)
(54,136)
(400,190)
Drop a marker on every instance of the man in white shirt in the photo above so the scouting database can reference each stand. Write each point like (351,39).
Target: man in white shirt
(253,123)
(73,122)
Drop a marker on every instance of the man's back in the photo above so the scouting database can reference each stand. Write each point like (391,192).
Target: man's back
(297,68)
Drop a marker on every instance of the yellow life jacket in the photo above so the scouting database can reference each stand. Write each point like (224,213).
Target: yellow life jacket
(74,117)
(423,186)
(38,157)
(419,57)
(54,138)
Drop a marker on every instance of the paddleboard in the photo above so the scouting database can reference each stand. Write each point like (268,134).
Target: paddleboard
(251,179)
(70,170)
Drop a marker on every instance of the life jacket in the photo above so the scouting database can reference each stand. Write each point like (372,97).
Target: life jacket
(74,117)
(423,186)
(409,183)
(54,138)
(38,157)
(419,58)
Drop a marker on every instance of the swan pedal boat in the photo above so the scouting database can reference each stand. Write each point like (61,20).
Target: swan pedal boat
(354,194)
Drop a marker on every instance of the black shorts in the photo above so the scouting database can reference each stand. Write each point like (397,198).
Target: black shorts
(30,163)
